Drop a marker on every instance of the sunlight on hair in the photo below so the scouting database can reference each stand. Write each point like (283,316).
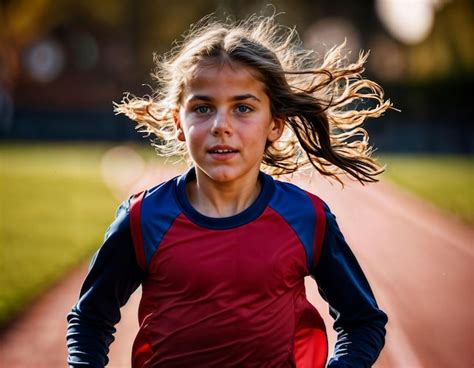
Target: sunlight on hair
(324,99)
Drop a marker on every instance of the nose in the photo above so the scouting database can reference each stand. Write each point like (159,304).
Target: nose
(222,124)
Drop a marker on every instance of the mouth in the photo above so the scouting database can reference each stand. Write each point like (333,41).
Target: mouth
(222,150)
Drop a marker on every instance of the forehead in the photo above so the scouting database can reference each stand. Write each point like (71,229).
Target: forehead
(216,75)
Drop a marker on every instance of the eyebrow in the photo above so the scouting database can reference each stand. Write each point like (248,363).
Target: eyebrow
(235,98)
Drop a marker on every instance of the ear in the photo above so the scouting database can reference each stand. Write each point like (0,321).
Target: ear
(276,129)
(177,123)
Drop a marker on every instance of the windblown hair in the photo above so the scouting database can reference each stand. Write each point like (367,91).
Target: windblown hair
(321,100)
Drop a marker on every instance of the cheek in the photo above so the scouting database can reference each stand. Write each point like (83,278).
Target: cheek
(194,136)
(256,140)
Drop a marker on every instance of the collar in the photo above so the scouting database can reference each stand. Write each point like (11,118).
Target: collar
(222,223)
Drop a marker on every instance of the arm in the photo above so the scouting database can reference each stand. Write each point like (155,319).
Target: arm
(359,322)
(113,276)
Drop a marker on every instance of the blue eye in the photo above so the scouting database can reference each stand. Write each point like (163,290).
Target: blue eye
(202,109)
(243,109)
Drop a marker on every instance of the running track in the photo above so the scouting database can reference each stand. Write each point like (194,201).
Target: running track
(419,262)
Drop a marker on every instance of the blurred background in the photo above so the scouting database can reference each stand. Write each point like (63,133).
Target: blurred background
(62,63)
(66,160)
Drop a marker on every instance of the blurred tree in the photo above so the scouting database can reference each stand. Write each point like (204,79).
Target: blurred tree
(25,21)
(447,52)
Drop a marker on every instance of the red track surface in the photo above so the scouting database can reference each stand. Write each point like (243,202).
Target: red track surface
(419,262)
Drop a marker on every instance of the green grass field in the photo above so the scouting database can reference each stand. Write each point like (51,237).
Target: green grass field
(446,181)
(54,209)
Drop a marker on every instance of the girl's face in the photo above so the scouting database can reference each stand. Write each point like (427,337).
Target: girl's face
(225,120)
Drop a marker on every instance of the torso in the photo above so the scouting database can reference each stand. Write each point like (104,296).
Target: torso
(216,294)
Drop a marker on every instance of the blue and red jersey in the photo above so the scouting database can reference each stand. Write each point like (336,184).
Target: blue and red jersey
(226,292)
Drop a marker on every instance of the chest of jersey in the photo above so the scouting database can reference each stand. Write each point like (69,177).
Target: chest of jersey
(207,290)
(260,258)
(226,292)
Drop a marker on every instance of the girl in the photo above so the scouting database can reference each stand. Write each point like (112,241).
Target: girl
(221,252)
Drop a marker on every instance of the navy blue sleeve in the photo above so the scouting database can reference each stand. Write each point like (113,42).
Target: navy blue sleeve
(113,276)
(359,322)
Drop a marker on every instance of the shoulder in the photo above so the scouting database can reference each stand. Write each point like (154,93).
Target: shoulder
(290,198)
(152,213)
(159,200)
(120,225)
(159,197)
(306,213)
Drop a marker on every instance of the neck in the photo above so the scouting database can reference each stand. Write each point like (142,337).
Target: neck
(216,199)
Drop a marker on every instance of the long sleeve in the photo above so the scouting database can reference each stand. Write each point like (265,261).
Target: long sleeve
(359,322)
(113,276)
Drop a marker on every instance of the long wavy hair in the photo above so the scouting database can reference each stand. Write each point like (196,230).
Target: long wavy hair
(320,99)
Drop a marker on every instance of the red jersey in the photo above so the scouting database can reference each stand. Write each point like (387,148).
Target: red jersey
(221,290)
(226,292)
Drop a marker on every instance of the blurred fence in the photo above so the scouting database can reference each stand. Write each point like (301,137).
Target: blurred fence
(388,134)
(50,125)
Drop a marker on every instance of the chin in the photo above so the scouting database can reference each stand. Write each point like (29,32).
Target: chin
(221,174)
